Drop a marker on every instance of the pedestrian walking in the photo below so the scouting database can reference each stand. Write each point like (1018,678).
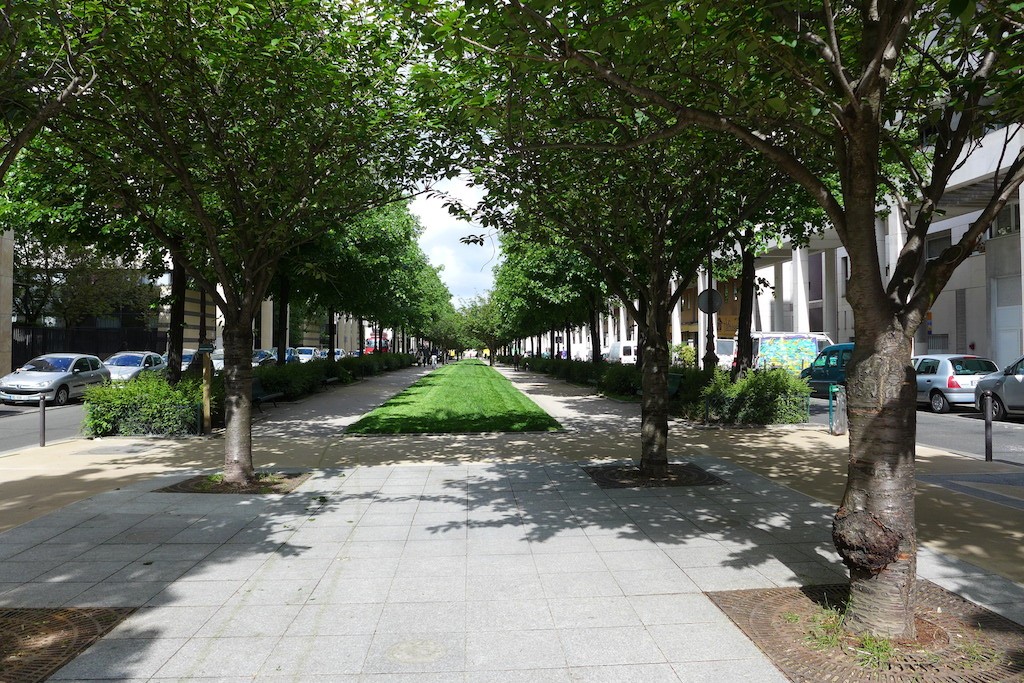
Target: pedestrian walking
(433,361)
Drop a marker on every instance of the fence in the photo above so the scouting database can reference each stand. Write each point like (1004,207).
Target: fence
(29,342)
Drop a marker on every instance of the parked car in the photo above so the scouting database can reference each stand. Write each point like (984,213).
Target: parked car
(1007,387)
(58,377)
(945,379)
(306,353)
(218,359)
(263,357)
(186,358)
(828,368)
(622,352)
(338,353)
(126,365)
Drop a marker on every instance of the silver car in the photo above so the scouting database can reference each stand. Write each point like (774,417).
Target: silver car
(126,365)
(1007,387)
(947,378)
(57,377)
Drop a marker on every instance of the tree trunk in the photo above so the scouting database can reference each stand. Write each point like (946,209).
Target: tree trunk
(748,283)
(568,342)
(238,467)
(595,334)
(332,335)
(654,382)
(176,331)
(639,346)
(362,336)
(282,321)
(552,337)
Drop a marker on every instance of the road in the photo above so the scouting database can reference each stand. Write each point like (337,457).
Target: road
(961,431)
(19,424)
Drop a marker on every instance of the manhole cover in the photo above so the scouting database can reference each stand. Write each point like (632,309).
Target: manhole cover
(958,641)
(34,643)
(628,477)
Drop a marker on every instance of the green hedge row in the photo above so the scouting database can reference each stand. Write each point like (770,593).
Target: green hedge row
(149,405)
(760,397)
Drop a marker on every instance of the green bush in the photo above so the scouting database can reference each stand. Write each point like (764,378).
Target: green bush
(759,397)
(684,355)
(620,379)
(692,381)
(146,405)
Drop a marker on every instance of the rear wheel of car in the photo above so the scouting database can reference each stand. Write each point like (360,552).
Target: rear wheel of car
(62,395)
(998,409)
(938,402)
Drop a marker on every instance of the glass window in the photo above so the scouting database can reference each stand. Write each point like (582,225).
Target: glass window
(973,366)
(845,358)
(937,244)
(1007,221)
(833,359)
(94,363)
(938,343)
(927,366)
(81,365)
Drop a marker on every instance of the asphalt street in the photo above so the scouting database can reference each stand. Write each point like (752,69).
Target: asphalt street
(19,424)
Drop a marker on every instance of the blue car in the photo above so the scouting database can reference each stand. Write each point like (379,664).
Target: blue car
(828,368)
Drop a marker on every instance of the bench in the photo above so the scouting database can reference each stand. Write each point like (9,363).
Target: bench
(327,381)
(259,395)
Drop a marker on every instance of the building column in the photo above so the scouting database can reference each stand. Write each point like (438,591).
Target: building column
(801,317)
(6,300)
(779,301)
(267,324)
(677,320)
(830,295)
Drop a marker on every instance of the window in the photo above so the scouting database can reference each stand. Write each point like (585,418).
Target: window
(845,266)
(1006,222)
(81,365)
(927,366)
(937,244)
(938,343)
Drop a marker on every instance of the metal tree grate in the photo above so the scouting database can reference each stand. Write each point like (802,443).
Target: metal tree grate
(627,477)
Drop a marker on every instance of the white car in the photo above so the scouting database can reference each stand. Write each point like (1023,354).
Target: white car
(306,353)
(126,365)
(57,377)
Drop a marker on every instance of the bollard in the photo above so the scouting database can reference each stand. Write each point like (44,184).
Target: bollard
(986,406)
(42,420)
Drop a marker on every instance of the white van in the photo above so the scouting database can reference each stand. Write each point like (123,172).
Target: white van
(622,352)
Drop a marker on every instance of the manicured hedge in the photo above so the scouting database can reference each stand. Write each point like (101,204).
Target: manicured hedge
(146,405)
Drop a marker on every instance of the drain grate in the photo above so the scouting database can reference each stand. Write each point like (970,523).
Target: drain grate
(34,643)
(629,477)
(958,641)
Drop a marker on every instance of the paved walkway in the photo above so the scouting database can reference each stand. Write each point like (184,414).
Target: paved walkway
(458,558)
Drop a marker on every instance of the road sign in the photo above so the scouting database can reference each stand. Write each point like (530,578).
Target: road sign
(709,301)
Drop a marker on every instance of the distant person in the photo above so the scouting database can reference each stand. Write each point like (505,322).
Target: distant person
(433,361)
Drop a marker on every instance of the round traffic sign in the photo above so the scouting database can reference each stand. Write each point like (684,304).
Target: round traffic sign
(709,301)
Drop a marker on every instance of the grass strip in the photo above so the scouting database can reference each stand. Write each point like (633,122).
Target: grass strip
(467,396)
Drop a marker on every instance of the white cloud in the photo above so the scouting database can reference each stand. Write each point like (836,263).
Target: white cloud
(467,267)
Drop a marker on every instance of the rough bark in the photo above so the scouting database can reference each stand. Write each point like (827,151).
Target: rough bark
(176,331)
(568,342)
(654,382)
(595,334)
(282,321)
(744,344)
(362,335)
(332,336)
(238,466)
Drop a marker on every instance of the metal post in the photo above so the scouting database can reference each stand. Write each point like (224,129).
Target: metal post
(986,401)
(42,420)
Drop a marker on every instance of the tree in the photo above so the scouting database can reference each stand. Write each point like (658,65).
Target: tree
(832,91)
(484,325)
(238,133)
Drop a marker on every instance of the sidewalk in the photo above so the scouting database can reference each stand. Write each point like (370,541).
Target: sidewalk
(459,558)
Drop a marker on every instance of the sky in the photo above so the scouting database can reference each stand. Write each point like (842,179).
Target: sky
(466,267)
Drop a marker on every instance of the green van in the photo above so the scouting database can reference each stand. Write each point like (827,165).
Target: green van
(828,368)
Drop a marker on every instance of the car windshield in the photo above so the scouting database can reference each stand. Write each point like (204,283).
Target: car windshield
(305,352)
(186,358)
(973,366)
(124,360)
(49,364)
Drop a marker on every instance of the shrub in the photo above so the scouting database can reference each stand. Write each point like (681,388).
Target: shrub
(684,355)
(620,379)
(692,381)
(146,405)
(759,397)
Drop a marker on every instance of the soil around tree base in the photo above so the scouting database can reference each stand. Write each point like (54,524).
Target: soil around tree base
(958,641)
(266,482)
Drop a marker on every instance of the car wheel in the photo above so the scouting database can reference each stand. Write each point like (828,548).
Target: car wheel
(938,402)
(61,397)
(998,409)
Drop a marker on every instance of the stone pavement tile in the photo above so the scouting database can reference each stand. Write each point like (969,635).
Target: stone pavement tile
(757,670)
(423,617)
(416,652)
(43,594)
(364,566)
(23,572)
(211,657)
(984,590)
(291,678)
(162,622)
(613,645)
(442,677)
(426,589)
(728,578)
(373,549)
(259,592)
(457,531)
(450,565)
(702,642)
(684,608)
(246,536)
(240,620)
(120,658)
(578,544)
(654,581)
(352,589)
(380,517)
(508,615)
(10,549)
(627,673)
(500,565)
(799,573)
(593,612)
(296,547)
(622,543)
(53,553)
(306,656)
(314,534)
(82,571)
(292,569)
(197,593)
(560,563)
(32,533)
(180,553)
(107,552)
(396,532)
(435,548)
(500,547)
(118,594)
(217,569)
(442,518)
(560,675)
(502,650)
(91,535)
(336,620)
(650,560)
(582,584)
(521,586)
(932,565)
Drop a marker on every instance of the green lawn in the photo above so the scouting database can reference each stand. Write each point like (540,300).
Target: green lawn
(461,397)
